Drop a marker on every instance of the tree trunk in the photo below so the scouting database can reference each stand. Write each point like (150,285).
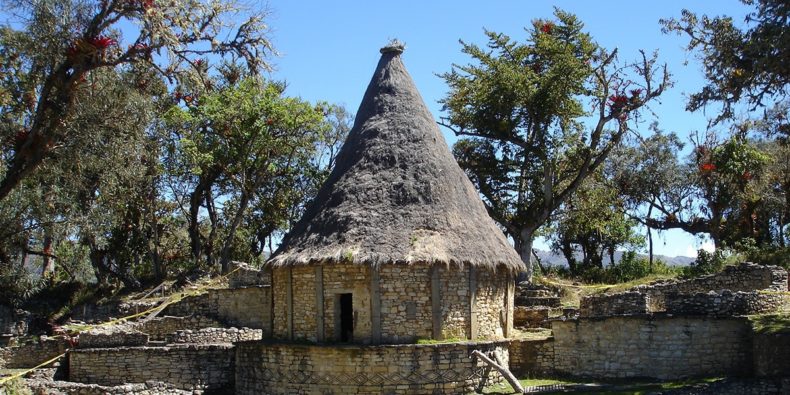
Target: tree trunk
(526,238)
(225,255)
(48,265)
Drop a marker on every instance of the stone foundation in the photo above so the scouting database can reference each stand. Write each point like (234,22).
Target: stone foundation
(112,337)
(723,304)
(531,317)
(532,358)
(772,355)
(607,305)
(31,354)
(204,367)
(268,368)
(158,328)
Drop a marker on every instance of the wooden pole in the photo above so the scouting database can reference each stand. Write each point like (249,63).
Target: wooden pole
(503,370)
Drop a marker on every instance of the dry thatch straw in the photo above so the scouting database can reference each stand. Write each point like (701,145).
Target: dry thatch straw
(396,194)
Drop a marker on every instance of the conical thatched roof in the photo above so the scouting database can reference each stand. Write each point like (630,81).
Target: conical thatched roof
(396,194)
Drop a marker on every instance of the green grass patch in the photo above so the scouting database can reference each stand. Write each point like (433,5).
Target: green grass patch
(770,323)
(443,341)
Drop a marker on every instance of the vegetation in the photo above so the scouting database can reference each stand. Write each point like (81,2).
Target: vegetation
(518,110)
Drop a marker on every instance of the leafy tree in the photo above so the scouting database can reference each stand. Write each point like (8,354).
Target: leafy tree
(520,112)
(593,222)
(253,147)
(49,60)
(741,65)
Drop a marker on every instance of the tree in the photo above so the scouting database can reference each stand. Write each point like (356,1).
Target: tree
(50,60)
(244,146)
(594,223)
(519,111)
(741,65)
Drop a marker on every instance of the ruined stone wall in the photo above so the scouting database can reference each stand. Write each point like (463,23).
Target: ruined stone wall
(215,335)
(39,386)
(193,366)
(112,337)
(242,275)
(744,277)
(723,304)
(530,358)
(626,303)
(405,303)
(159,327)
(95,313)
(250,307)
(658,347)
(31,354)
(393,369)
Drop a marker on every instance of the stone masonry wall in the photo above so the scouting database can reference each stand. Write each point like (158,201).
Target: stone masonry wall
(393,369)
(455,301)
(31,354)
(250,307)
(626,303)
(243,275)
(663,348)
(723,304)
(215,335)
(492,287)
(279,304)
(205,366)
(405,303)
(304,303)
(530,358)
(159,327)
(112,337)
(355,279)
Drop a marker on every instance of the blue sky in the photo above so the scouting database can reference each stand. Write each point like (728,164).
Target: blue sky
(330,48)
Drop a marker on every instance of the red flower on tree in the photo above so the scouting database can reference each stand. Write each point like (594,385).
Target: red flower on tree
(102,42)
(617,103)
(707,167)
(547,27)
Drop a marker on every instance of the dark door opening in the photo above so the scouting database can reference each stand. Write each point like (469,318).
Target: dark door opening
(346,318)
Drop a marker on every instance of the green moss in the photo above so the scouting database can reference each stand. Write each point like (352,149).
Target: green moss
(435,341)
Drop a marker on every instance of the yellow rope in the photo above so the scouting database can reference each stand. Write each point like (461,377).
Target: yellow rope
(20,374)
(83,328)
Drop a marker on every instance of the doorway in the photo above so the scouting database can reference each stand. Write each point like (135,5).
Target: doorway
(345,315)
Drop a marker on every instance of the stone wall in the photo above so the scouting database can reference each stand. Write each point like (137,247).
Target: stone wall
(112,337)
(406,303)
(744,277)
(531,358)
(192,366)
(723,304)
(494,304)
(50,387)
(531,317)
(352,369)
(250,307)
(159,327)
(31,354)
(606,305)
(657,347)
(243,275)
(772,354)
(215,335)
(405,295)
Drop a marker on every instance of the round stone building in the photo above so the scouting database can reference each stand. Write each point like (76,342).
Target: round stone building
(397,245)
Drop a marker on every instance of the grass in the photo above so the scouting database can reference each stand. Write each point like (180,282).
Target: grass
(532,333)
(571,292)
(442,341)
(770,323)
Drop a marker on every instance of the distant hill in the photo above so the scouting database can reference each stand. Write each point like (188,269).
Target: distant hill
(550,258)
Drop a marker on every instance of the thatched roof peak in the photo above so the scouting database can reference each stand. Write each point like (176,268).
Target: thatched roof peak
(396,194)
